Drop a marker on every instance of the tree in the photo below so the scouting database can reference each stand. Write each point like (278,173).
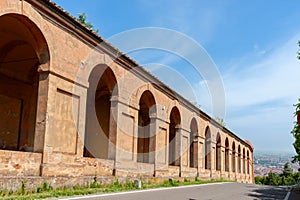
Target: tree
(299,51)
(296,129)
(221,121)
(287,171)
(296,134)
(83,19)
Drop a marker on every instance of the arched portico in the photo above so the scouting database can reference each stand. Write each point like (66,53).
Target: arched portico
(227,155)
(193,144)
(174,137)
(207,148)
(23,52)
(99,139)
(218,152)
(233,158)
(146,141)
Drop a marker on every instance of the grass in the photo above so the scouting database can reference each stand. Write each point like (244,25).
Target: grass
(47,191)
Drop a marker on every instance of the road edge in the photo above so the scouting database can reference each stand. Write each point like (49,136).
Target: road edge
(138,191)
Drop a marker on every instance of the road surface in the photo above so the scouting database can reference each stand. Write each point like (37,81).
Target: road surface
(219,191)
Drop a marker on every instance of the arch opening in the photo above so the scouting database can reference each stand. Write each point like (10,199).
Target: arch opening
(146,140)
(226,155)
(193,144)
(239,160)
(233,157)
(23,49)
(244,161)
(248,162)
(100,133)
(207,149)
(218,153)
(174,137)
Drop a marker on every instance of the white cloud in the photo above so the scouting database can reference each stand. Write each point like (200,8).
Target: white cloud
(274,78)
(260,98)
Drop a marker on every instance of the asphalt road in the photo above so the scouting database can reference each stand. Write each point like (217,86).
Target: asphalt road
(223,191)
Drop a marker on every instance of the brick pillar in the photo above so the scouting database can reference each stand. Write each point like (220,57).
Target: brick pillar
(178,149)
(229,163)
(161,148)
(236,164)
(252,167)
(41,116)
(113,128)
(195,146)
(152,139)
(201,156)
(213,159)
(222,160)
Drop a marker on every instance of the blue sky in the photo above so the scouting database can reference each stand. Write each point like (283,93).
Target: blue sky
(253,44)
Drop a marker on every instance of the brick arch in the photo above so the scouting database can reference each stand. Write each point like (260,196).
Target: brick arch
(248,162)
(244,160)
(193,151)
(194,126)
(146,141)
(239,169)
(218,151)
(207,147)
(193,119)
(223,137)
(174,134)
(172,105)
(99,134)
(227,154)
(135,98)
(24,31)
(219,137)
(93,60)
(23,52)
(233,157)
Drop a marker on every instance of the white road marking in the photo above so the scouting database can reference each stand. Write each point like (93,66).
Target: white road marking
(287,196)
(140,191)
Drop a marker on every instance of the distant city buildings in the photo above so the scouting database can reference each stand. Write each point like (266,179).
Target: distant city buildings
(272,162)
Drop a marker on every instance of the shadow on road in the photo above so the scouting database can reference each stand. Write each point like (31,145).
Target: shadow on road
(268,193)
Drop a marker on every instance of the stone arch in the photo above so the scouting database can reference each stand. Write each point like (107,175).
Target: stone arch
(227,154)
(23,52)
(146,140)
(193,143)
(174,136)
(100,133)
(218,152)
(207,148)
(233,163)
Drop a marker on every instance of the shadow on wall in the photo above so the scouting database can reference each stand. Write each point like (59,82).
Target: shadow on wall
(268,193)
